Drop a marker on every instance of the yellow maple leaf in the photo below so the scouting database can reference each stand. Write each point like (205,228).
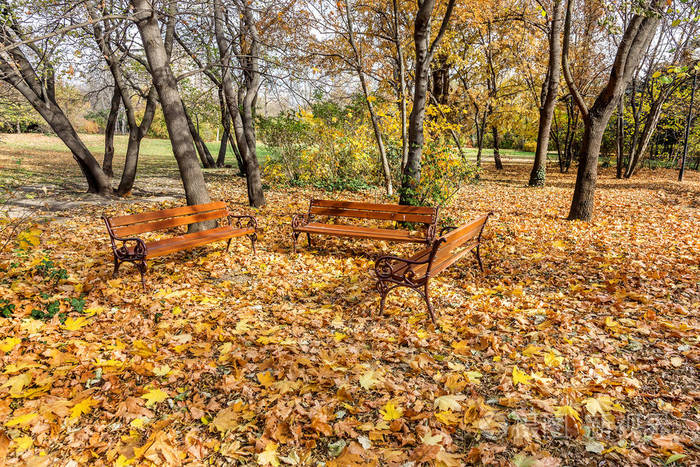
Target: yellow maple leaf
(9,343)
(474,377)
(269,455)
(566,411)
(123,461)
(82,407)
(21,419)
(22,443)
(154,396)
(28,239)
(532,350)
(520,377)
(75,324)
(162,370)
(447,417)
(17,383)
(391,412)
(266,378)
(370,379)
(339,336)
(552,359)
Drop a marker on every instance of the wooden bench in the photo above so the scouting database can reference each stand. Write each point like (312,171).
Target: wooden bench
(415,272)
(136,250)
(305,223)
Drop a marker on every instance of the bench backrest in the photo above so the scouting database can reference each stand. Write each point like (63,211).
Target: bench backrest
(132,224)
(464,234)
(393,212)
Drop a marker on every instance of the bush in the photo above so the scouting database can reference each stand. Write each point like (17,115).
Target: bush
(328,146)
(530,146)
(443,173)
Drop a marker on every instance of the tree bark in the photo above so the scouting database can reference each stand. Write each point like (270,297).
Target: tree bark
(620,136)
(425,50)
(202,149)
(689,119)
(40,93)
(384,162)
(136,131)
(402,86)
(171,103)
(243,116)
(550,89)
(634,41)
(496,149)
(110,126)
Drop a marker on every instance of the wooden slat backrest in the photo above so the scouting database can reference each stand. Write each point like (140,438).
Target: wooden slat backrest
(394,212)
(457,237)
(167,218)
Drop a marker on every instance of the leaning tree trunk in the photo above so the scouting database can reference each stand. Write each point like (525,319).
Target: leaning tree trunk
(496,149)
(204,154)
(109,133)
(171,103)
(548,103)
(223,147)
(584,192)
(620,136)
(97,180)
(412,170)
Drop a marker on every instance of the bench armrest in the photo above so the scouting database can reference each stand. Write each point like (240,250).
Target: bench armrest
(122,251)
(386,266)
(252,222)
(299,219)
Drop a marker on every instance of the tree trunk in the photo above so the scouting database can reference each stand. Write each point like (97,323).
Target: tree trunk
(372,114)
(635,39)
(425,50)
(687,127)
(40,96)
(242,109)
(171,103)
(109,132)
(620,135)
(238,128)
(223,146)
(548,103)
(496,148)
(640,143)
(584,191)
(412,170)
(202,149)
(402,86)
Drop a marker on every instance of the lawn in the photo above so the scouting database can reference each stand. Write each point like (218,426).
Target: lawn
(578,344)
(34,157)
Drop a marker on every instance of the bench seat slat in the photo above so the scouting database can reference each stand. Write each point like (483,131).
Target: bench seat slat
(373,206)
(356,231)
(164,224)
(184,242)
(372,214)
(129,219)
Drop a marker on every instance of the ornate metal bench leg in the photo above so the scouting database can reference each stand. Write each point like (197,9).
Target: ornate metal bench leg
(228,244)
(308,239)
(253,238)
(478,257)
(383,291)
(295,236)
(141,265)
(116,267)
(430,305)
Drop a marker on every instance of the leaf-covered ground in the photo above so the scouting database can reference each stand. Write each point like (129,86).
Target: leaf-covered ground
(579,344)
